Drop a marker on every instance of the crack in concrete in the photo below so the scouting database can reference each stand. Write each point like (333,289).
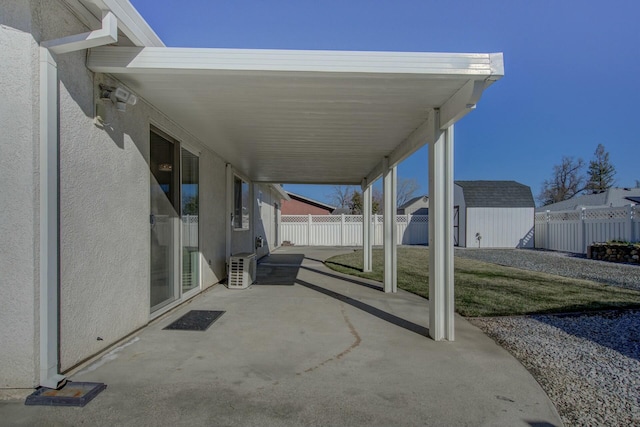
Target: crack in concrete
(346,351)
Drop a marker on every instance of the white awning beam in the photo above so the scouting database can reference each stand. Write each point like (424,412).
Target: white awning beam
(204,60)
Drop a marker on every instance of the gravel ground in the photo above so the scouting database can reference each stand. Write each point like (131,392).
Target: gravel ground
(589,364)
(561,264)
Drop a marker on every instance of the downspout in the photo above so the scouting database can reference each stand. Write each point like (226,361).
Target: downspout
(229,214)
(49,196)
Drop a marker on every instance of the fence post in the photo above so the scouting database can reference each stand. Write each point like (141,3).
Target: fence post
(629,237)
(341,229)
(547,243)
(309,231)
(636,230)
(583,231)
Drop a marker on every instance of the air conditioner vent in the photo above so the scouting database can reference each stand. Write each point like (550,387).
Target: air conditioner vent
(242,270)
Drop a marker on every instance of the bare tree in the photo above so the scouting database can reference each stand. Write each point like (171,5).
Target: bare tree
(341,195)
(601,172)
(567,181)
(406,189)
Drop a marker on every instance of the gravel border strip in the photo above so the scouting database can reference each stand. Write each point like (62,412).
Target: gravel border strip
(589,364)
(559,263)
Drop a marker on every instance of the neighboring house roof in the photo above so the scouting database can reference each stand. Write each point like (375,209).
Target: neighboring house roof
(310,201)
(612,197)
(283,194)
(340,211)
(635,200)
(496,194)
(413,200)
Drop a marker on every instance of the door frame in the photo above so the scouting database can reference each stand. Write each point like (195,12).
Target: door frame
(180,297)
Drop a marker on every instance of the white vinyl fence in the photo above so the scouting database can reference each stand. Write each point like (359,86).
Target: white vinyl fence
(346,230)
(573,231)
(190,230)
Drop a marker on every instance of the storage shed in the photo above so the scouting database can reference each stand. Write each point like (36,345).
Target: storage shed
(493,214)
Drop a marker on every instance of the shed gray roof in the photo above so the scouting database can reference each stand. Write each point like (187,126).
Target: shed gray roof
(613,197)
(496,194)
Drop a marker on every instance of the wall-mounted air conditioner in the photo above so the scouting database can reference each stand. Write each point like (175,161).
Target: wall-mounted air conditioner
(242,270)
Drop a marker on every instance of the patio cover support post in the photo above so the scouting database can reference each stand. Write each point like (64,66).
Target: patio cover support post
(394,228)
(366,229)
(389,222)
(441,304)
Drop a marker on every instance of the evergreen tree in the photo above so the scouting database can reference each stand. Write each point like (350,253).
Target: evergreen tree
(601,172)
(356,203)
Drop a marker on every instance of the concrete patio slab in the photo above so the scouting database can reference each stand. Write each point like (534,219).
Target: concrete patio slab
(304,346)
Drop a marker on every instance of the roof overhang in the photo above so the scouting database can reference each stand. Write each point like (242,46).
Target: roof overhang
(305,116)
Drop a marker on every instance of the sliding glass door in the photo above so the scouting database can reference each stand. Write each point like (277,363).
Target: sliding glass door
(164,220)
(190,187)
(174,219)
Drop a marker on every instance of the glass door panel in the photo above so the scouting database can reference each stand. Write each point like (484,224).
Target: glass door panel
(190,186)
(164,221)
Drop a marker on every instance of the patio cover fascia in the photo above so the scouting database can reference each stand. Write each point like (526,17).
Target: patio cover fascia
(323,117)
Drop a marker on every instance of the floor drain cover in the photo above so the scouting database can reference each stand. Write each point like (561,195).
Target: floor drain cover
(72,394)
(196,320)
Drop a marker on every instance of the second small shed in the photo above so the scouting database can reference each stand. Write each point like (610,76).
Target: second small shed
(493,214)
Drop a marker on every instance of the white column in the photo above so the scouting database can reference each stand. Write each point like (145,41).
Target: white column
(394,229)
(389,224)
(441,304)
(366,229)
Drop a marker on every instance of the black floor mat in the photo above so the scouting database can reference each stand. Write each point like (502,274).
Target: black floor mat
(196,320)
(72,394)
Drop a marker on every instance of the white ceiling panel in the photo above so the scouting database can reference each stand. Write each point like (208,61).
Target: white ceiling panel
(303,116)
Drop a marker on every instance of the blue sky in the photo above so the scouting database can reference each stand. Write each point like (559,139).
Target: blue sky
(572,69)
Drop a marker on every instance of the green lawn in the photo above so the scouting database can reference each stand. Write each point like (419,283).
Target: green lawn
(483,289)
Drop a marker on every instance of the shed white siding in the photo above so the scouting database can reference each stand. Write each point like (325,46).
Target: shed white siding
(500,227)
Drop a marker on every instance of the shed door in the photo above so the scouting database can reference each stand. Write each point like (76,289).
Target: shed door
(456,226)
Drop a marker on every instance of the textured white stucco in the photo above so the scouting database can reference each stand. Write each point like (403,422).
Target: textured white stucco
(19,221)
(104,201)
(212,218)
(266,220)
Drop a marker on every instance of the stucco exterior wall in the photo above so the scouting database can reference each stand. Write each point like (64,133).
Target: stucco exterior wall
(104,205)
(212,218)
(104,201)
(266,225)
(19,197)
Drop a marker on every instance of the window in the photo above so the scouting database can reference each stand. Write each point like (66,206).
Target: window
(240,204)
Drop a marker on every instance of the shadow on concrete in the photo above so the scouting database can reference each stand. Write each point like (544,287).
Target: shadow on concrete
(343,278)
(540,424)
(278,269)
(380,314)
